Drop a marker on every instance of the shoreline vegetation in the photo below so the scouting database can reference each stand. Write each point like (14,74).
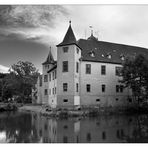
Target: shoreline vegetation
(77,112)
(83,112)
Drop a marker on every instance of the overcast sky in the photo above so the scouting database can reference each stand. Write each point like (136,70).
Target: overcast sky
(27,32)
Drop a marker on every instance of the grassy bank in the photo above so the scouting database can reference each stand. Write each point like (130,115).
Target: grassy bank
(83,112)
(9,107)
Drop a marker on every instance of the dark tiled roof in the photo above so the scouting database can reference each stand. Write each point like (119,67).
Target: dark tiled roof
(50,59)
(100,51)
(69,38)
(54,67)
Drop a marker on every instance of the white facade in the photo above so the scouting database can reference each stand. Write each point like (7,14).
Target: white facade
(75,86)
(108,98)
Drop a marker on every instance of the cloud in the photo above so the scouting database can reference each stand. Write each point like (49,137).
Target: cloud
(4,69)
(30,22)
(30,15)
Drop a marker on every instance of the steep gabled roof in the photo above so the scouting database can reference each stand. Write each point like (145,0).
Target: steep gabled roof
(69,37)
(50,59)
(101,51)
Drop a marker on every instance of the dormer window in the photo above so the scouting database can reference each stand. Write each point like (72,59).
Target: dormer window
(109,56)
(92,54)
(122,57)
(102,55)
(65,49)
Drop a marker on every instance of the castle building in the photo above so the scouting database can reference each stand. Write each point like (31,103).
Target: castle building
(87,72)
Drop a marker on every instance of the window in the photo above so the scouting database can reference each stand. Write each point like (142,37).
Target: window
(97,100)
(50,77)
(117,99)
(121,88)
(88,137)
(45,126)
(103,70)
(88,68)
(77,67)
(109,56)
(65,127)
(45,78)
(53,75)
(65,87)
(88,87)
(65,66)
(103,135)
(55,90)
(117,88)
(65,100)
(77,50)
(118,134)
(65,139)
(40,132)
(129,99)
(92,54)
(103,88)
(49,91)
(65,49)
(77,87)
(118,71)
(40,80)
(46,92)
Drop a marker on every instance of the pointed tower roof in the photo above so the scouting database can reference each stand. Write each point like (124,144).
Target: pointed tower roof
(69,37)
(50,59)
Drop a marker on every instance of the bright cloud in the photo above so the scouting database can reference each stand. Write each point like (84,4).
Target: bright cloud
(4,69)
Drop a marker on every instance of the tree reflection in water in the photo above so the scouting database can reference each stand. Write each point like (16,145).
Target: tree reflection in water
(33,128)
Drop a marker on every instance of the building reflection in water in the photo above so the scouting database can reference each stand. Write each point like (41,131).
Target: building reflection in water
(88,130)
(34,128)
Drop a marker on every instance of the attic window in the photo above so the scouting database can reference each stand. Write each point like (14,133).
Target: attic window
(92,54)
(102,55)
(109,56)
(122,57)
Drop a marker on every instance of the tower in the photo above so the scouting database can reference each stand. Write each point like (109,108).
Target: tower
(68,70)
(46,66)
(49,63)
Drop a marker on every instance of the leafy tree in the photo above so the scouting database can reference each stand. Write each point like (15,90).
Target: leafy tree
(135,76)
(20,81)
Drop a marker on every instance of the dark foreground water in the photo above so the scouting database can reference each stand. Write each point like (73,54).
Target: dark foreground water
(34,128)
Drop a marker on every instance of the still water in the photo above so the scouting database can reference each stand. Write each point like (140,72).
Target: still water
(23,127)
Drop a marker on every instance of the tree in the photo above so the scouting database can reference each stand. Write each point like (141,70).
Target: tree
(135,76)
(21,80)
(2,76)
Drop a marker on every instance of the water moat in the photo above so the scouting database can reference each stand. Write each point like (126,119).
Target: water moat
(22,127)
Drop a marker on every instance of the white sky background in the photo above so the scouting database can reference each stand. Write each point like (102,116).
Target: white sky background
(125,24)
